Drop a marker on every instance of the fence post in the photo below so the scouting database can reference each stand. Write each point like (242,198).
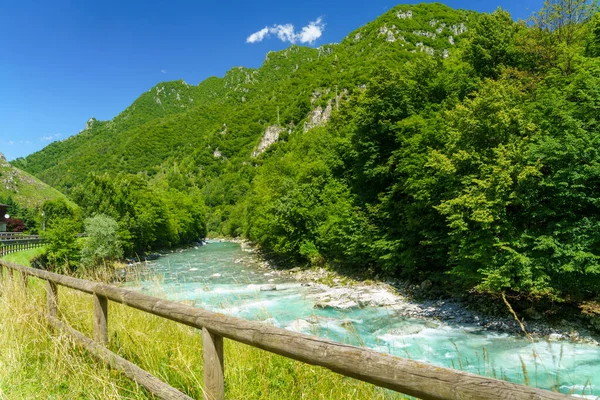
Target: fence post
(100,319)
(214,384)
(52,298)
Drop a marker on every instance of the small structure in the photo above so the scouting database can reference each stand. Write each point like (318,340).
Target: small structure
(3,209)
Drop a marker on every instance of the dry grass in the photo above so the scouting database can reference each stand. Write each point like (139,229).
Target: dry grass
(36,363)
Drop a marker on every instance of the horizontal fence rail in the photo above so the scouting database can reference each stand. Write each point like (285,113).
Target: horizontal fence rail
(406,376)
(11,244)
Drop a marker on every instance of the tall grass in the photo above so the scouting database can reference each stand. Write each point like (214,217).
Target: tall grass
(37,363)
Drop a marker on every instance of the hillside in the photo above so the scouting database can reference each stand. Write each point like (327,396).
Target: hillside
(174,118)
(25,190)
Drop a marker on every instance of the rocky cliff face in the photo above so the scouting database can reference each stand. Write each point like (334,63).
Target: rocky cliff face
(270,136)
(318,117)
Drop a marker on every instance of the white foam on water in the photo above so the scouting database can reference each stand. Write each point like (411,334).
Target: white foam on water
(299,325)
(398,342)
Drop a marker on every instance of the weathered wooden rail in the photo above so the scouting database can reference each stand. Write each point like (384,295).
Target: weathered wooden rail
(402,375)
(10,243)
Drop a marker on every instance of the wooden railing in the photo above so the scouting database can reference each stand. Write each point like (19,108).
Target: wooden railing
(10,243)
(402,375)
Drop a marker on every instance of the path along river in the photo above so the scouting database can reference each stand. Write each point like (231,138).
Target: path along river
(223,277)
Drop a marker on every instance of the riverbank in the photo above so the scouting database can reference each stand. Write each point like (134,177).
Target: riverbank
(39,363)
(335,290)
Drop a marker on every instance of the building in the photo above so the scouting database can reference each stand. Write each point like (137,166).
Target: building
(3,210)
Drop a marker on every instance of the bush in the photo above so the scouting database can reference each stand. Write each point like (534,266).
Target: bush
(101,245)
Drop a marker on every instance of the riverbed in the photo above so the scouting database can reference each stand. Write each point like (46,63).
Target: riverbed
(226,278)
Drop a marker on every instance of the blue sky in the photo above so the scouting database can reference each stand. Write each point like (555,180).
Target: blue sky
(64,61)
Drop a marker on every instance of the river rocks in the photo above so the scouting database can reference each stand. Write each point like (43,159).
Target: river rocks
(268,288)
(343,298)
(555,337)
(336,304)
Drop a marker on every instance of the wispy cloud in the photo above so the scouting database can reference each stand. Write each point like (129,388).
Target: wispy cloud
(258,36)
(163,71)
(287,33)
(10,142)
(50,138)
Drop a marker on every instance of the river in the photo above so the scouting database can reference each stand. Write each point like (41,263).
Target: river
(222,277)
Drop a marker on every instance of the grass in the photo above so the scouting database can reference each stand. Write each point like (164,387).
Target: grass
(23,257)
(27,190)
(36,363)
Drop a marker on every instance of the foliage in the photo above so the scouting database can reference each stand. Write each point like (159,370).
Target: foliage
(148,217)
(101,245)
(62,248)
(461,148)
(15,225)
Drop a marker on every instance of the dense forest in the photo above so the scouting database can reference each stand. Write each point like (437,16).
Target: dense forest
(430,144)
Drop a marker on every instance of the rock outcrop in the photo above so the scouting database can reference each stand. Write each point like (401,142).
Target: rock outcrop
(318,117)
(271,136)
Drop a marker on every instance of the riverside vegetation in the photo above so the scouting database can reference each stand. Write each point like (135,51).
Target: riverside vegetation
(430,144)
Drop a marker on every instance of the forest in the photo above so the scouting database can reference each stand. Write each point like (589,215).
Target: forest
(462,148)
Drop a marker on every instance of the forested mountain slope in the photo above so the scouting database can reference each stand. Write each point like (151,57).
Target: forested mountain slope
(174,117)
(429,144)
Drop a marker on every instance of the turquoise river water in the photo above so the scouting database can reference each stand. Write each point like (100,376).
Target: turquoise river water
(222,277)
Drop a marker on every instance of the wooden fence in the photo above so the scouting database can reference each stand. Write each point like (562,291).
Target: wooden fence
(10,243)
(402,375)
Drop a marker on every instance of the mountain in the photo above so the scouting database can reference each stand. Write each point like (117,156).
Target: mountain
(25,190)
(228,115)
(431,144)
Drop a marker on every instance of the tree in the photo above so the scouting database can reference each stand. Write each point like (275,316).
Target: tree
(558,32)
(101,245)
(15,225)
(492,44)
(61,245)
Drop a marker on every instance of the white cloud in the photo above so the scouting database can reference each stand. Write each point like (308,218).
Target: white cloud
(312,32)
(258,36)
(287,33)
(10,142)
(163,71)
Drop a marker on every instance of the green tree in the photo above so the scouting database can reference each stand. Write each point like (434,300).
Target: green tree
(101,245)
(559,31)
(62,246)
(491,45)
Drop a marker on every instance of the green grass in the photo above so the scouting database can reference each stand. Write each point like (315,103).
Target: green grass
(23,257)
(36,363)
(27,190)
